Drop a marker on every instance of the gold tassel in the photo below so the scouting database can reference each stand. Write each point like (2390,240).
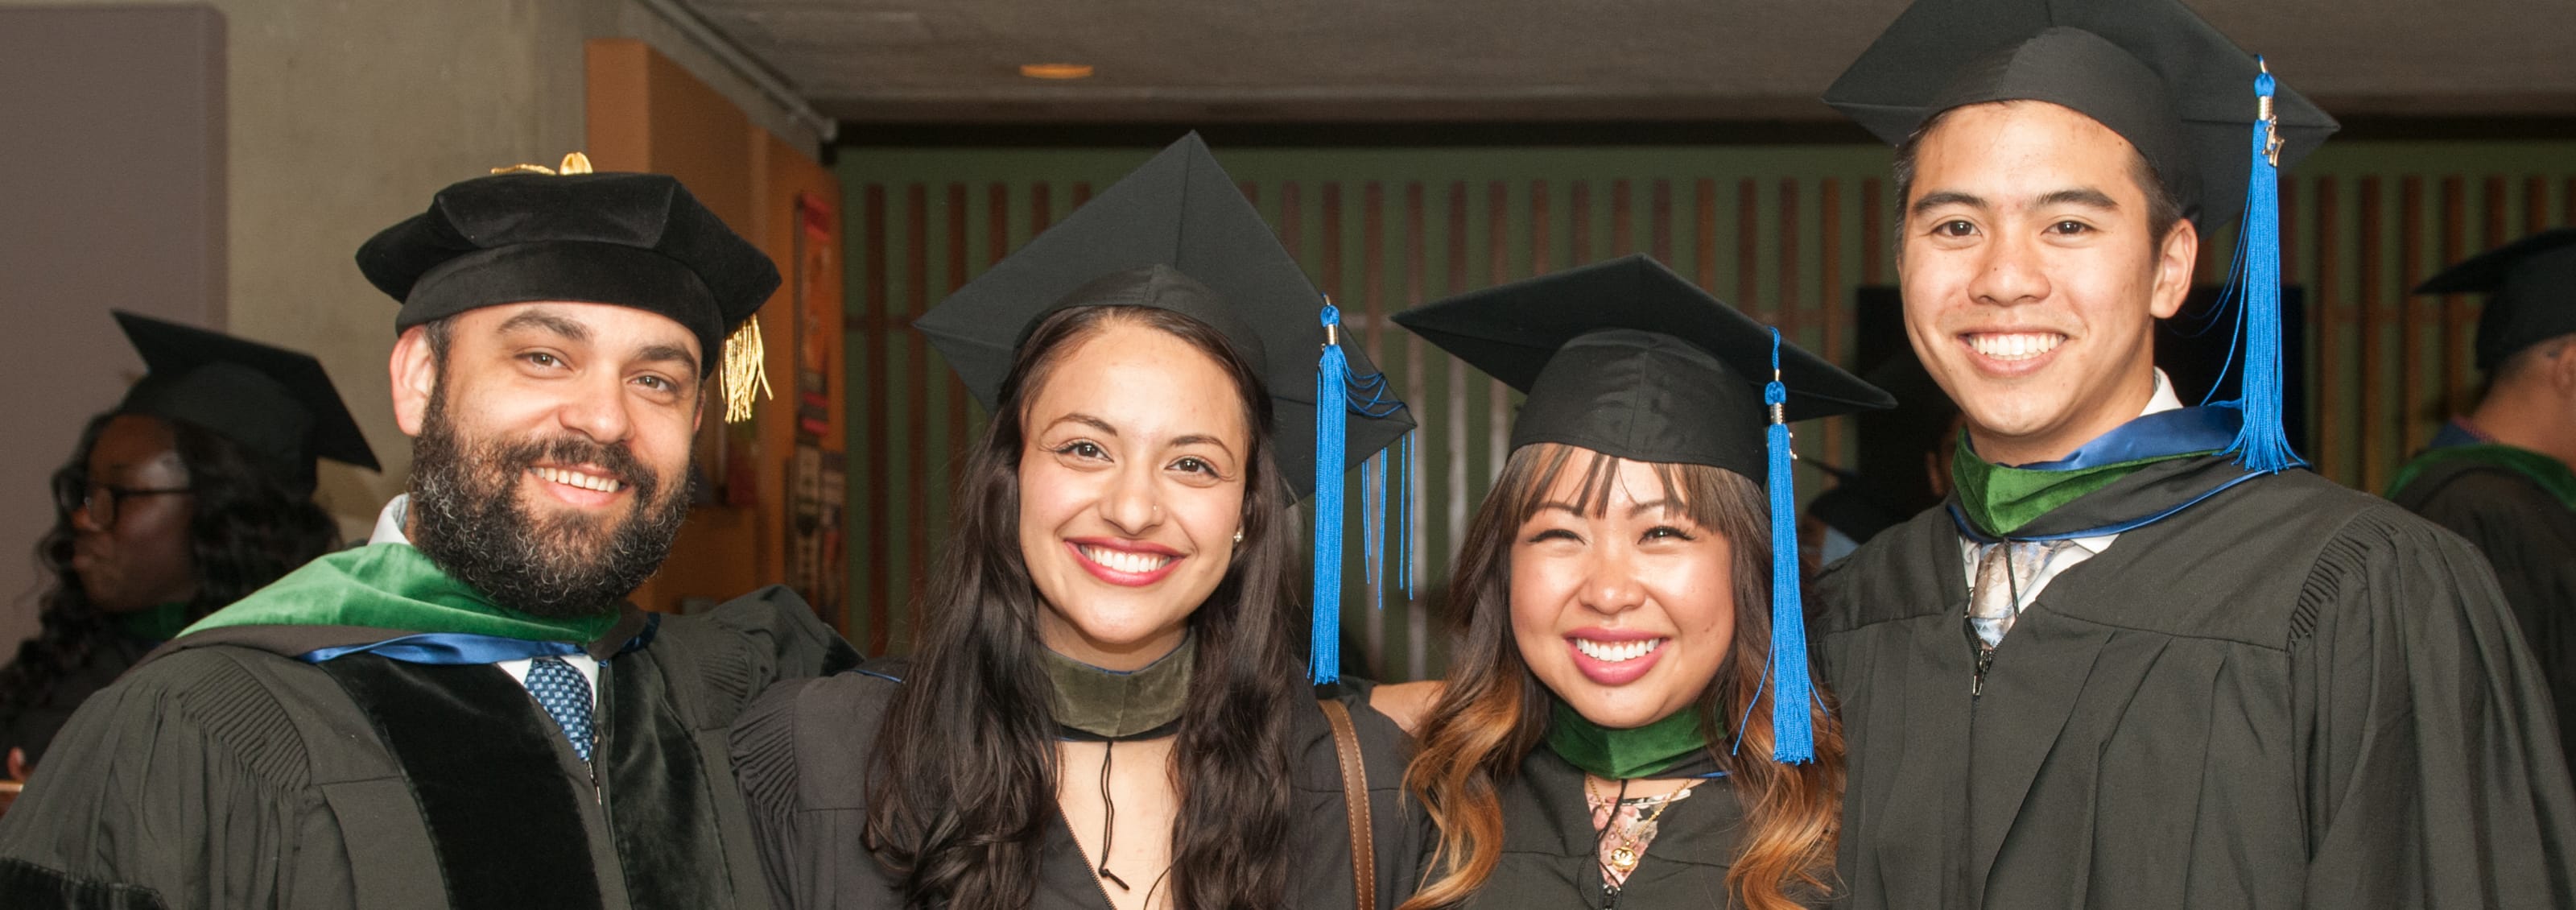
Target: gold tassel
(744,370)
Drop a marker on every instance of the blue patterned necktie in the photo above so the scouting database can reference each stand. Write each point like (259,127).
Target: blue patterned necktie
(566,696)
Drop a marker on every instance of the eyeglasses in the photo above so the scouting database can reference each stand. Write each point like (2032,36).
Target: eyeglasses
(72,494)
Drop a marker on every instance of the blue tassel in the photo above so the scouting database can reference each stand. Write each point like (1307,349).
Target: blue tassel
(1793,736)
(2261,443)
(1332,402)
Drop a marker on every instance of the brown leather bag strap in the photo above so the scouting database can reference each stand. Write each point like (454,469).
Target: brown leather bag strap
(1355,801)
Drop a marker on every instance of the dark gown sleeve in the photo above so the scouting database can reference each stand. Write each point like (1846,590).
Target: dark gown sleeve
(32,726)
(2434,777)
(184,785)
(2530,537)
(800,754)
(775,637)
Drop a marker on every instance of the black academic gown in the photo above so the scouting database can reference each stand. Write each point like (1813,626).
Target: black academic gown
(802,754)
(2288,695)
(1550,860)
(2530,538)
(222,772)
(32,726)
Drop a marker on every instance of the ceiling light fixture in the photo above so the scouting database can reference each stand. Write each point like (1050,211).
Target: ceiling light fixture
(1056,70)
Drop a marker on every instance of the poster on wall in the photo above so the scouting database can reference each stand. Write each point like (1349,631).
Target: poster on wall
(817,485)
(816,478)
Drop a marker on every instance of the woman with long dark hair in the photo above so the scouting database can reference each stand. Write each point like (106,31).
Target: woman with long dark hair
(195,490)
(1610,734)
(1104,708)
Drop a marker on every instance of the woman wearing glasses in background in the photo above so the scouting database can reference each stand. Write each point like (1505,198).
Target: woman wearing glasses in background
(193,491)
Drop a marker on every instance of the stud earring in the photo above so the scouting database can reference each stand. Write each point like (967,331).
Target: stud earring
(1238,535)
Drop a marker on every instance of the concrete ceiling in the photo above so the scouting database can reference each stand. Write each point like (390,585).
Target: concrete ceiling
(956,61)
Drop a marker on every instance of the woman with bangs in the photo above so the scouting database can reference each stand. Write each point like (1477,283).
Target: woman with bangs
(1105,710)
(1606,736)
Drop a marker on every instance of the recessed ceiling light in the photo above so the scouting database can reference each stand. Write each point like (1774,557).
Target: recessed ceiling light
(1056,70)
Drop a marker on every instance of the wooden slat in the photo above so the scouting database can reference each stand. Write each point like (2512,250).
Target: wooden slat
(2333,444)
(880,519)
(2415,312)
(1498,269)
(1292,227)
(916,287)
(1834,312)
(1331,216)
(1041,208)
(1748,245)
(1789,310)
(2535,204)
(2454,308)
(1251,191)
(997,222)
(1659,218)
(1873,231)
(1622,224)
(1578,216)
(1541,229)
(1373,266)
(2376,315)
(1081,193)
(1704,233)
(956,388)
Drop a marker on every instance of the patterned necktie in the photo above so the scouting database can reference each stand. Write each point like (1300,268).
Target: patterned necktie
(566,696)
(2005,574)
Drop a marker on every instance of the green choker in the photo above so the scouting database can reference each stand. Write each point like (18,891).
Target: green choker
(160,623)
(2000,500)
(1116,706)
(1624,754)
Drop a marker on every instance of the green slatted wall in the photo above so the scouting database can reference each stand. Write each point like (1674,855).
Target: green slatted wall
(1786,232)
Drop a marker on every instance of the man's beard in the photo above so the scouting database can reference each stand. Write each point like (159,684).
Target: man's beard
(466,515)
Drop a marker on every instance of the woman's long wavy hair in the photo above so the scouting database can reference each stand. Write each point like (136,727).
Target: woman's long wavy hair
(1495,711)
(250,527)
(964,780)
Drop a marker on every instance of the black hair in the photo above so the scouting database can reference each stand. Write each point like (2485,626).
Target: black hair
(2164,210)
(250,527)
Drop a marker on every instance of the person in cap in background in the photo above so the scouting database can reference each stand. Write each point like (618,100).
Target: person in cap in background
(464,713)
(2499,475)
(1627,598)
(193,491)
(2137,660)
(1104,708)
(1904,465)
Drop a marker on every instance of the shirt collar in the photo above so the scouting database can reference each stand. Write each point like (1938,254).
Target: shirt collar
(389,523)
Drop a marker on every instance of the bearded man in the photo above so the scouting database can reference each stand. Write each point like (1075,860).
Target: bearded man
(465,712)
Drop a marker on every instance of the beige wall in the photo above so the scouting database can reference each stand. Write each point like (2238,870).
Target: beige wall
(344,117)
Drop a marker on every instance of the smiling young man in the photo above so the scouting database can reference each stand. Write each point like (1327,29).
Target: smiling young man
(465,712)
(2118,668)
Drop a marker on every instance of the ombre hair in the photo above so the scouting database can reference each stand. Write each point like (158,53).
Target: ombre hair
(1494,710)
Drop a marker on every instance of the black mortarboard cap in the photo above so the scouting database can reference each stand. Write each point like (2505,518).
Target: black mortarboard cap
(2531,292)
(1221,265)
(636,240)
(275,403)
(1628,359)
(2150,70)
